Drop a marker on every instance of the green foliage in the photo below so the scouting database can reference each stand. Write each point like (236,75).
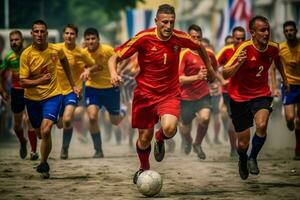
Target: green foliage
(57,13)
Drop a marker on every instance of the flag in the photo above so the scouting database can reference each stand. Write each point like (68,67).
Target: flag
(235,13)
(138,20)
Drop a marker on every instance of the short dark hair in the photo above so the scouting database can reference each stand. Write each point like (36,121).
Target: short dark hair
(39,21)
(289,23)
(238,28)
(16,32)
(71,26)
(257,18)
(165,9)
(195,28)
(91,31)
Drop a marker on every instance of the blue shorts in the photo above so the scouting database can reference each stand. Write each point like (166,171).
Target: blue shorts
(45,109)
(17,100)
(68,99)
(108,97)
(293,97)
(242,113)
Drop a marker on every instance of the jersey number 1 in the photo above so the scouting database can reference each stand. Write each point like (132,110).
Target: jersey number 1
(165,58)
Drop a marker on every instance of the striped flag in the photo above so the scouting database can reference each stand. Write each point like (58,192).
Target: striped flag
(138,20)
(235,13)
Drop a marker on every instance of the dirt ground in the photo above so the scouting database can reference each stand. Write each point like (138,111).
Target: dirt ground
(184,177)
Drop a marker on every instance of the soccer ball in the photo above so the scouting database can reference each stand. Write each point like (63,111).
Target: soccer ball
(149,183)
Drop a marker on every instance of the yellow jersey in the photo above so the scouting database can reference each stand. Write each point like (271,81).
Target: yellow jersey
(34,64)
(290,55)
(101,78)
(78,59)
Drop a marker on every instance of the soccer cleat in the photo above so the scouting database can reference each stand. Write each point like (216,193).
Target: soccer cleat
(98,154)
(44,169)
(198,150)
(159,151)
(243,170)
(64,154)
(34,156)
(136,175)
(23,150)
(252,166)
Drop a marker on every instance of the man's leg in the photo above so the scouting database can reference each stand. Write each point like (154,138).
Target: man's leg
(185,132)
(297,133)
(18,118)
(143,149)
(261,119)
(93,111)
(243,138)
(67,130)
(168,130)
(203,117)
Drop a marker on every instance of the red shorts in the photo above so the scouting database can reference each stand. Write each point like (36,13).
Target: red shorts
(146,111)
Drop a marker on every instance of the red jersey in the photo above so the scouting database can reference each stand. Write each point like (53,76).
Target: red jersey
(251,80)
(190,64)
(223,57)
(158,60)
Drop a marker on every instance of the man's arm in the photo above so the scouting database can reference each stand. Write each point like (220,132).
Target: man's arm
(279,67)
(203,54)
(230,71)
(28,83)
(65,64)
(115,78)
(183,79)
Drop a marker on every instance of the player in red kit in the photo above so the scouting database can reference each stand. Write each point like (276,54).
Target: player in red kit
(157,94)
(249,91)
(224,55)
(195,96)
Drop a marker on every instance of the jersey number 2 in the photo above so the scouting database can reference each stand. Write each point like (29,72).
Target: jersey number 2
(260,69)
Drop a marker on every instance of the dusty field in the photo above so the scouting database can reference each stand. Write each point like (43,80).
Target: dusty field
(185,177)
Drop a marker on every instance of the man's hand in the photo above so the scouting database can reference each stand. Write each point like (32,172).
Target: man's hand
(77,91)
(202,74)
(242,57)
(85,75)
(116,80)
(45,79)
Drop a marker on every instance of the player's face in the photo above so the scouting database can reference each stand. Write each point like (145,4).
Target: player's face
(165,25)
(91,42)
(261,32)
(39,34)
(195,35)
(238,37)
(290,32)
(229,41)
(70,36)
(16,42)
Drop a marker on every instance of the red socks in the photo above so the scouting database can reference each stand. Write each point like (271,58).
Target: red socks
(143,155)
(201,132)
(33,140)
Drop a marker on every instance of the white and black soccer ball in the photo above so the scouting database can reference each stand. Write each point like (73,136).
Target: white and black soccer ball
(149,183)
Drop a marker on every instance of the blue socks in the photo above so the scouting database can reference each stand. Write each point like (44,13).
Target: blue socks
(67,135)
(257,143)
(97,141)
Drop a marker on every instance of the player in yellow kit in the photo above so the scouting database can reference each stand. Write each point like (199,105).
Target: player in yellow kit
(38,64)
(290,55)
(78,59)
(99,91)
